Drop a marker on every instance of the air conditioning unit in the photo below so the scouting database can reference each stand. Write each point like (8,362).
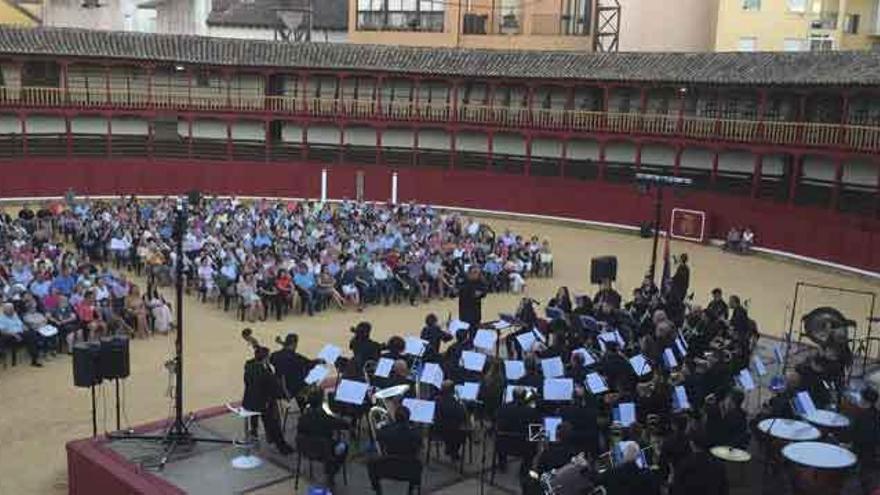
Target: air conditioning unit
(91,4)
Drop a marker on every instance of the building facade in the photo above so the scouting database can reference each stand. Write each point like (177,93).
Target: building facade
(493,24)
(788,142)
(797,25)
(16,13)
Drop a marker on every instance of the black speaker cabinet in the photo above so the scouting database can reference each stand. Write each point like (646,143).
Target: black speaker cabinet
(113,361)
(85,364)
(603,268)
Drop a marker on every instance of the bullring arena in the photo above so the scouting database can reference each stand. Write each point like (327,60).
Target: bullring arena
(122,116)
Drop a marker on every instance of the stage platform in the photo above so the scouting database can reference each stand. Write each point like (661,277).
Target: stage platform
(117,467)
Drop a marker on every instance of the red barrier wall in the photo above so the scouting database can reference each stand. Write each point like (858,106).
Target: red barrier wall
(804,230)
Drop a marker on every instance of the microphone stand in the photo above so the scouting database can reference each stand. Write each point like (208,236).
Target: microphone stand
(177,433)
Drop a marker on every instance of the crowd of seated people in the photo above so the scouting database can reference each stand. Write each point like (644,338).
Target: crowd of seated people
(264,257)
(53,296)
(739,240)
(636,396)
(271,257)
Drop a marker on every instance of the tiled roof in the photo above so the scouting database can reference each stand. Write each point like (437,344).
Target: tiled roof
(826,68)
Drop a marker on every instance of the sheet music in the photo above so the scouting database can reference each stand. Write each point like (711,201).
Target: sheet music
(48,331)
(684,343)
(383,367)
(551,423)
(473,361)
(508,392)
(485,339)
(806,403)
(558,389)
(680,400)
(501,325)
(626,413)
(679,343)
(602,345)
(588,358)
(468,391)
(432,374)
(414,346)
(420,411)
(514,370)
(596,383)
(316,374)
(351,392)
(552,367)
(330,353)
(779,353)
(669,358)
(640,365)
(526,341)
(456,325)
(745,380)
(759,366)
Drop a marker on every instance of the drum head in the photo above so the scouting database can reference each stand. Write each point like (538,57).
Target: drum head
(819,455)
(789,429)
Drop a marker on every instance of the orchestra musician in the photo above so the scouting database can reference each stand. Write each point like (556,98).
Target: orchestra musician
(400,443)
(450,420)
(261,391)
(362,346)
(320,429)
(434,335)
(470,298)
(291,367)
(626,477)
(512,427)
(699,473)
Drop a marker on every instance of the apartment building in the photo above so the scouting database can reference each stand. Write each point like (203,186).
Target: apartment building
(797,25)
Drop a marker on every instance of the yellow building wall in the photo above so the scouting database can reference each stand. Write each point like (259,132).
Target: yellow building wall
(771,25)
(11,15)
(863,39)
(535,16)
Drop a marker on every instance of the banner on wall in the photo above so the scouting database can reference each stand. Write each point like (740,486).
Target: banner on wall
(689,225)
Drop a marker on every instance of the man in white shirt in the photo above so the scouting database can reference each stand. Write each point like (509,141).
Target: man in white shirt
(382,276)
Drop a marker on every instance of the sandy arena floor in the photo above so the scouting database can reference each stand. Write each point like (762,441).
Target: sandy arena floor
(40,409)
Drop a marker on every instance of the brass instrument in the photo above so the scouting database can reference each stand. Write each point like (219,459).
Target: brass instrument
(384,406)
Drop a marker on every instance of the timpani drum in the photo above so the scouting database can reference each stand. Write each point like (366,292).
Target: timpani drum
(829,422)
(736,463)
(784,431)
(818,468)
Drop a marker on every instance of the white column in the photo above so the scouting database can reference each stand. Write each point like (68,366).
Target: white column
(323,185)
(394,188)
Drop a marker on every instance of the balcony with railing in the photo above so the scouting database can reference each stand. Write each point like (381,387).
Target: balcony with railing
(860,138)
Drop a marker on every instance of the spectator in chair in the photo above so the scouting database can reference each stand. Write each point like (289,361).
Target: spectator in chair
(13,331)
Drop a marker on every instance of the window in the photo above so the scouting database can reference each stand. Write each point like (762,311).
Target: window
(797,6)
(400,15)
(751,5)
(794,45)
(821,43)
(851,24)
(748,44)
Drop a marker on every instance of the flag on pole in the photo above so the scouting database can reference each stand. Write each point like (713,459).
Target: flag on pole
(664,280)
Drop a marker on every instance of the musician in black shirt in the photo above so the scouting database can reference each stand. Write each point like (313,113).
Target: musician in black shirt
(362,346)
(470,298)
(315,432)
(717,308)
(400,443)
(434,335)
(261,390)
(291,367)
(450,420)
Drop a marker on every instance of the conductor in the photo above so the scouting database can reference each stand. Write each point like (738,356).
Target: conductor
(470,298)
(261,390)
